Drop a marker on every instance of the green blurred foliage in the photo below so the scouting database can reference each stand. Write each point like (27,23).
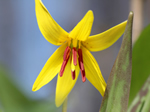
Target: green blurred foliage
(12,100)
(118,85)
(140,62)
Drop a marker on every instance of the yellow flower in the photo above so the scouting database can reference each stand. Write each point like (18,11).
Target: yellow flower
(73,55)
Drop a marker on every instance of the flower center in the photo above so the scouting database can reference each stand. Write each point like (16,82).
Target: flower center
(73,51)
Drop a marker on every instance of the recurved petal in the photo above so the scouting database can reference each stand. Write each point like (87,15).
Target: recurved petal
(83,29)
(48,26)
(106,39)
(50,69)
(92,71)
(65,84)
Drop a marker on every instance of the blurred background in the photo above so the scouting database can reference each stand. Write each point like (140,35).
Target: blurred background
(24,51)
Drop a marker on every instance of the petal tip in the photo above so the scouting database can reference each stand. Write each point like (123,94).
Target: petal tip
(131,13)
(34,89)
(90,13)
(57,103)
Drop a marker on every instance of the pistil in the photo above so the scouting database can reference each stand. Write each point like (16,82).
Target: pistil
(73,68)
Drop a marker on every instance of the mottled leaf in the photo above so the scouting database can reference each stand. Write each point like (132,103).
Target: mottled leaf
(141,102)
(118,84)
(140,62)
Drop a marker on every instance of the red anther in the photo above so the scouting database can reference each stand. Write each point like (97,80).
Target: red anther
(74,52)
(65,60)
(66,53)
(80,55)
(81,65)
(73,74)
(83,75)
(80,59)
(63,67)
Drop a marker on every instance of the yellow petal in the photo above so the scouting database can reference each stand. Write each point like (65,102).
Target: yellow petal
(106,39)
(48,26)
(83,29)
(92,71)
(50,69)
(65,84)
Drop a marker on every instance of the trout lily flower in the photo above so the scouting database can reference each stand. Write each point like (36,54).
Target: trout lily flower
(74,53)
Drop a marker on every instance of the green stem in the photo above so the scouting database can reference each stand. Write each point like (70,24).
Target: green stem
(64,108)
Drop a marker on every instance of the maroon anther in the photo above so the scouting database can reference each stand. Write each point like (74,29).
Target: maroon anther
(83,75)
(74,52)
(66,53)
(65,60)
(81,65)
(73,74)
(63,67)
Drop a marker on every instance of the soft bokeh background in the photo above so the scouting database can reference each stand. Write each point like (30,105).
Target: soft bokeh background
(24,51)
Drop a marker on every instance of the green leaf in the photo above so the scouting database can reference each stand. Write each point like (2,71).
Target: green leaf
(12,100)
(141,102)
(140,62)
(118,84)
(10,97)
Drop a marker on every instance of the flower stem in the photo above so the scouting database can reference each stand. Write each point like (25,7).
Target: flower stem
(64,108)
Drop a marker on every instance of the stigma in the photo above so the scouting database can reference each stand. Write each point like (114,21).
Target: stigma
(74,52)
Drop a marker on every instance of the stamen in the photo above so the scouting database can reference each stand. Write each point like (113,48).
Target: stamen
(73,74)
(74,52)
(83,75)
(66,53)
(81,65)
(65,60)
(63,67)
